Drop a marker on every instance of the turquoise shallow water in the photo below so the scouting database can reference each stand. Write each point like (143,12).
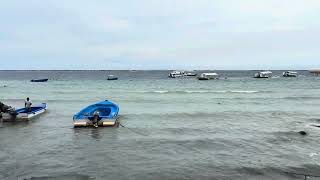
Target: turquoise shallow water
(234,128)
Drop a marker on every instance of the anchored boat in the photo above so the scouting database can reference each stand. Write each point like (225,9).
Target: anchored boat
(112,77)
(289,74)
(263,74)
(39,80)
(187,74)
(175,74)
(208,76)
(24,114)
(103,113)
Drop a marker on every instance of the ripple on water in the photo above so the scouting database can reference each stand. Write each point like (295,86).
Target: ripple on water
(62,177)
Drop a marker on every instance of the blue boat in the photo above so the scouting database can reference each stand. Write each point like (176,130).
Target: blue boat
(24,114)
(39,80)
(103,113)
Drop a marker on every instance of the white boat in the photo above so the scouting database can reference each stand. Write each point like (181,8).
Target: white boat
(112,77)
(175,74)
(188,74)
(208,76)
(23,114)
(263,74)
(289,74)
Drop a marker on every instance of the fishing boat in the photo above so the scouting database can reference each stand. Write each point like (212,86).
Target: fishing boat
(39,80)
(208,76)
(289,74)
(24,114)
(263,74)
(103,113)
(112,77)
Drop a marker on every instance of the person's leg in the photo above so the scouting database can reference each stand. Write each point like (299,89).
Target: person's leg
(95,120)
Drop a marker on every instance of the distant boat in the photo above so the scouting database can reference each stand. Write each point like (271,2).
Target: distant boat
(175,74)
(189,74)
(39,80)
(208,76)
(316,72)
(263,74)
(289,74)
(23,114)
(106,112)
(112,77)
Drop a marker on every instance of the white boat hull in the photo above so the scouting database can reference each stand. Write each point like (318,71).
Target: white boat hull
(87,122)
(26,116)
(6,117)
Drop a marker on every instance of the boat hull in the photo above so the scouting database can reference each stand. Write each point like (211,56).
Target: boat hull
(263,74)
(24,115)
(203,78)
(39,80)
(289,75)
(208,76)
(101,123)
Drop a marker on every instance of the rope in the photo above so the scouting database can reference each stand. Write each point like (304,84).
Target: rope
(139,133)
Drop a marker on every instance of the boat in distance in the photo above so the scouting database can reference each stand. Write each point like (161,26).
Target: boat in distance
(290,74)
(112,77)
(315,72)
(39,80)
(104,113)
(263,74)
(23,114)
(175,74)
(208,76)
(189,74)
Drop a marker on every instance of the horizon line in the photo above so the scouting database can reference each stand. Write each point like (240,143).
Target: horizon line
(156,69)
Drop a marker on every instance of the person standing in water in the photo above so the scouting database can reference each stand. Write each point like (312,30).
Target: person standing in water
(96,118)
(27,104)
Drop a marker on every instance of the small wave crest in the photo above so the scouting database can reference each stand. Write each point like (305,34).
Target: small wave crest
(62,177)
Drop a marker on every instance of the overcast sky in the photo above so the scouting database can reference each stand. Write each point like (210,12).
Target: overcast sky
(159,34)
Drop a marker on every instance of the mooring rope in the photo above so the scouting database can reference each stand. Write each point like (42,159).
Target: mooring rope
(139,133)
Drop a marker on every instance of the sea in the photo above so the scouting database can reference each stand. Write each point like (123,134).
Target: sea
(236,127)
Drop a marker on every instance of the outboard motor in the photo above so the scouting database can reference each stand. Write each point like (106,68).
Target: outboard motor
(12,112)
(8,109)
